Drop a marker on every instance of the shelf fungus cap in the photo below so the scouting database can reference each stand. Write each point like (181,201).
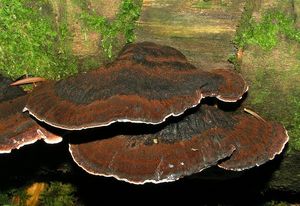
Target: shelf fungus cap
(18,129)
(256,141)
(205,138)
(180,149)
(147,83)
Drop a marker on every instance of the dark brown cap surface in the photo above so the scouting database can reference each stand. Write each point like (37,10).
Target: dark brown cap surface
(146,84)
(179,149)
(198,141)
(256,141)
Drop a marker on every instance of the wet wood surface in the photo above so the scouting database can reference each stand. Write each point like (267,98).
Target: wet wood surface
(203,31)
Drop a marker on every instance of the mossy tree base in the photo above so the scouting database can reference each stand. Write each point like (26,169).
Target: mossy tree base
(50,39)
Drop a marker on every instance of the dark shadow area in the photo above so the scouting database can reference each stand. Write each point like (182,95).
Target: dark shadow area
(229,106)
(214,186)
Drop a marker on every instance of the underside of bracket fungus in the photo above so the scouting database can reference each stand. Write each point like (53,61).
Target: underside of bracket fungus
(17,128)
(205,138)
(146,84)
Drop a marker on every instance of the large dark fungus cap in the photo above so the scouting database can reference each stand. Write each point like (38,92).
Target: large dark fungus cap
(205,138)
(146,84)
(179,149)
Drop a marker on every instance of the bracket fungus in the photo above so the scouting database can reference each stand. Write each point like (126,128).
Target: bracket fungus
(200,140)
(17,128)
(146,84)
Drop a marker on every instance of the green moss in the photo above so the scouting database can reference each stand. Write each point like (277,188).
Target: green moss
(6,196)
(4,199)
(208,4)
(58,194)
(31,42)
(90,62)
(81,3)
(124,24)
(269,99)
(203,4)
(241,33)
(266,32)
(294,125)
